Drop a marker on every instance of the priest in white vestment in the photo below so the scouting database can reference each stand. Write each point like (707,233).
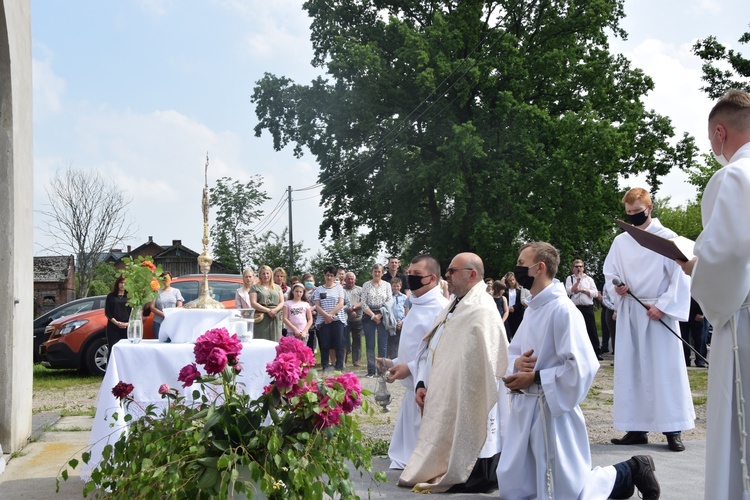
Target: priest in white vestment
(551,366)
(721,285)
(427,301)
(651,387)
(460,361)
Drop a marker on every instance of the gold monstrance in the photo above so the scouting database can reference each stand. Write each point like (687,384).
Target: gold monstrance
(204,300)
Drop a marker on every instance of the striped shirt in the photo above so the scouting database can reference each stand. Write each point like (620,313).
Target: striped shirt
(329,298)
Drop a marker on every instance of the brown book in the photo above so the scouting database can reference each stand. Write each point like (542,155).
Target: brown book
(677,248)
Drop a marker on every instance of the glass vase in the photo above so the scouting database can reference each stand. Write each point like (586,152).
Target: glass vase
(135,325)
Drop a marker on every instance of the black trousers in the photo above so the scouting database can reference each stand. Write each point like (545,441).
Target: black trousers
(482,479)
(588,317)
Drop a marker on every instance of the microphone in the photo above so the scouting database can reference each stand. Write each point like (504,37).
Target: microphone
(617,282)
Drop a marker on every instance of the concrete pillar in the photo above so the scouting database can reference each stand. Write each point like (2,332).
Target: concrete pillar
(16,225)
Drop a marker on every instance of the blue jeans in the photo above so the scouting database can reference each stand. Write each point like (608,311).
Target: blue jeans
(331,336)
(370,328)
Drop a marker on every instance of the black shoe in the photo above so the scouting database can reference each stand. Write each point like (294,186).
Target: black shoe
(642,471)
(674,442)
(631,437)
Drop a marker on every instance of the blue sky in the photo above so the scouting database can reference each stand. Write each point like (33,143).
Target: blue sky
(141,90)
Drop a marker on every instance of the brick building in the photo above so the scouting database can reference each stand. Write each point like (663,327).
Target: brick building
(54,282)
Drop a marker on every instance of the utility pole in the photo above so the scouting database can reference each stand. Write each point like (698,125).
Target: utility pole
(290,271)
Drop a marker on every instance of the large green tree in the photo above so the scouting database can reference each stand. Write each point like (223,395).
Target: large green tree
(448,126)
(272,250)
(347,251)
(723,68)
(237,207)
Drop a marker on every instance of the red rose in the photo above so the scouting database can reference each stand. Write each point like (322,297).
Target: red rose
(121,390)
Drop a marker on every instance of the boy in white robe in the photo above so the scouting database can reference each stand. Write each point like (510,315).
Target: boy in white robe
(651,387)
(551,366)
(427,301)
(721,285)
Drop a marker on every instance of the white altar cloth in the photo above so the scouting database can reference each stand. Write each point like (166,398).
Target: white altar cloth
(182,325)
(149,364)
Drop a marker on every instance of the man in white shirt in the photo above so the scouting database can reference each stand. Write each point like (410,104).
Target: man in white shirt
(721,285)
(427,302)
(651,388)
(582,291)
(546,452)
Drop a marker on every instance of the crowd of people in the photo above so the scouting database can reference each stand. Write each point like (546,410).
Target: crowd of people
(495,370)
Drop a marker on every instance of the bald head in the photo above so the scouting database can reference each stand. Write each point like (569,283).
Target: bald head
(465,271)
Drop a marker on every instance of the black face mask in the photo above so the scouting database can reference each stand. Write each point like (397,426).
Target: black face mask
(415,282)
(638,219)
(522,276)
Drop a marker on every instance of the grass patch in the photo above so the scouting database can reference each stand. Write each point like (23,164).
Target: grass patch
(48,379)
(89,411)
(379,447)
(698,380)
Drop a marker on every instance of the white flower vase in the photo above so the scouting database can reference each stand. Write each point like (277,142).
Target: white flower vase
(135,325)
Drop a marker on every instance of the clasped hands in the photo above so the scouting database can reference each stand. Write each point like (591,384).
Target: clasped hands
(524,377)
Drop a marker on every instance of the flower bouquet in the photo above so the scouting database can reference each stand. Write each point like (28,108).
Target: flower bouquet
(294,441)
(142,281)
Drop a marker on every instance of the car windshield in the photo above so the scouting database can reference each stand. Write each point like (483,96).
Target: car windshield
(73,309)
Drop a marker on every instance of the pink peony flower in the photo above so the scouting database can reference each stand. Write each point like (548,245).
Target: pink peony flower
(349,383)
(122,390)
(163,389)
(285,369)
(328,416)
(188,375)
(218,337)
(298,348)
(216,361)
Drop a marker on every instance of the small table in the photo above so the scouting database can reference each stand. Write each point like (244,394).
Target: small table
(149,364)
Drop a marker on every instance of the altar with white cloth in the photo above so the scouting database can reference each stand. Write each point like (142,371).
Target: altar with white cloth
(149,364)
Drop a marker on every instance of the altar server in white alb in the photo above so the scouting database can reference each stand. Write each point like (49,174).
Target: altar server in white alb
(721,285)
(460,362)
(551,367)
(651,389)
(427,301)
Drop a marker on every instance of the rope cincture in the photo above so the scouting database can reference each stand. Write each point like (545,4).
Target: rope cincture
(739,395)
(541,399)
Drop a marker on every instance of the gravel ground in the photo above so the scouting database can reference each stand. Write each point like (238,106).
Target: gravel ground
(597,407)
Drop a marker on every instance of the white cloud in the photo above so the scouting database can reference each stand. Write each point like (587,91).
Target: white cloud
(48,87)
(156,7)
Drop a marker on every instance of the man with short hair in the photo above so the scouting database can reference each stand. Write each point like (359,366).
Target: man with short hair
(651,388)
(582,291)
(459,361)
(551,367)
(427,302)
(394,272)
(353,308)
(721,285)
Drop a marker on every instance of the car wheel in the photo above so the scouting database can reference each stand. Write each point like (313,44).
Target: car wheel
(97,353)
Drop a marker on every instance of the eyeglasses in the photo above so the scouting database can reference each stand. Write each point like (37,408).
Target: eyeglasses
(453,270)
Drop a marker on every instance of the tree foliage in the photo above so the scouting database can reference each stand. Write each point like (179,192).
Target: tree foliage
(87,215)
(347,251)
(272,250)
(448,126)
(684,220)
(238,206)
(103,280)
(723,69)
